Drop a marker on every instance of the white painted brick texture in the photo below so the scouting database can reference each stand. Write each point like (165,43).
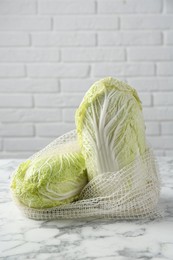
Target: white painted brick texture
(63,39)
(17,100)
(51,51)
(66,6)
(126,38)
(24,23)
(29,55)
(86,22)
(16,130)
(14,39)
(131,6)
(18,7)
(54,129)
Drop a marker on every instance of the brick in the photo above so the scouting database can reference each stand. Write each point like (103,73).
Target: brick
(75,85)
(30,115)
(29,55)
(29,85)
(58,70)
(25,144)
(10,100)
(159,152)
(165,69)
(12,71)
(152,128)
(164,142)
(169,6)
(16,130)
(66,6)
(69,115)
(151,84)
(99,22)
(168,36)
(169,153)
(93,54)
(16,7)
(149,22)
(123,69)
(64,39)
(53,129)
(158,113)
(15,155)
(129,38)
(163,99)
(14,39)
(57,100)
(145,98)
(130,6)
(10,23)
(150,53)
(167,128)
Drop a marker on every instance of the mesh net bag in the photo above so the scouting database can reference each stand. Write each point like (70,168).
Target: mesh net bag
(130,193)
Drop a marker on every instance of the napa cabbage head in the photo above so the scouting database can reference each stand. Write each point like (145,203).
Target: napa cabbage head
(110,126)
(51,179)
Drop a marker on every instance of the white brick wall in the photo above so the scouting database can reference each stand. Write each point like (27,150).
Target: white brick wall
(51,51)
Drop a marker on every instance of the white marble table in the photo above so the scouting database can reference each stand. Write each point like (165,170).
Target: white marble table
(22,238)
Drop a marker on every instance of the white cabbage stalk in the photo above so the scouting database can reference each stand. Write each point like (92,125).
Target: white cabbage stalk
(110,126)
(52,179)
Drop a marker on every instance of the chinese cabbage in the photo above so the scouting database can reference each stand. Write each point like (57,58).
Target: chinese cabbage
(52,179)
(110,126)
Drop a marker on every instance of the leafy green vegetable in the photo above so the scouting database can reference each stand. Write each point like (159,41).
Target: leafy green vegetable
(110,126)
(52,179)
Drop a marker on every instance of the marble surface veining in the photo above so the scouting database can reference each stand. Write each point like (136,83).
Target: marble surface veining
(22,238)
